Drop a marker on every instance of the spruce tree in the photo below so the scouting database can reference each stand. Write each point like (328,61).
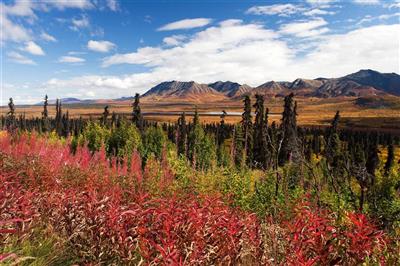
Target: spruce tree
(372,159)
(290,150)
(221,132)
(247,125)
(58,117)
(390,157)
(332,148)
(182,135)
(137,117)
(106,113)
(259,145)
(316,144)
(237,151)
(11,107)
(45,113)
(195,136)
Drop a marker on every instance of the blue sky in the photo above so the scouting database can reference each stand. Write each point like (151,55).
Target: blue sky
(107,48)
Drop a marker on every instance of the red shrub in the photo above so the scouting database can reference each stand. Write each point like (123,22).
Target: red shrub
(104,209)
(315,237)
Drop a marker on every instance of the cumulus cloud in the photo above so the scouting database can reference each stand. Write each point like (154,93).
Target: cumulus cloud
(364,48)
(317,12)
(186,24)
(245,53)
(321,2)
(47,37)
(367,2)
(63,4)
(113,5)
(12,31)
(277,9)
(174,40)
(78,23)
(303,29)
(15,31)
(20,59)
(71,59)
(33,48)
(100,46)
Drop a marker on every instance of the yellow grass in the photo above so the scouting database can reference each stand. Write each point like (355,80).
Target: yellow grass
(312,111)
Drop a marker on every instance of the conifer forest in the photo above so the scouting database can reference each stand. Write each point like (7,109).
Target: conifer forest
(118,189)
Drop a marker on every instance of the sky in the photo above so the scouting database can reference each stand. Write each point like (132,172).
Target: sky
(97,49)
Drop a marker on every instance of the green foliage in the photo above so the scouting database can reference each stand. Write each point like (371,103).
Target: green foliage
(154,140)
(384,201)
(39,248)
(206,155)
(94,136)
(124,140)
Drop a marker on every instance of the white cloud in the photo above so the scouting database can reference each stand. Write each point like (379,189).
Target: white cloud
(319,2)
(242,53)
(100,46)
(278,9)
(113,5)
(20,59)
(388,16)
(76,53)
(318,11)
(369,18)
(364,48)
(305,28)
(47,37)
(71,59)
(186,24)
(78,23)
(12,31)
(63,4)
(392,5)
(367,2)
(32,48)
(25,10)
(174,40)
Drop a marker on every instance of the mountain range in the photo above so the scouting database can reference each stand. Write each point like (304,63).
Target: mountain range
(359,84)
(364,83)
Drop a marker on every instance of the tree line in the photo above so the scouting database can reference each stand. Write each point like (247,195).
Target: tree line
(254,143)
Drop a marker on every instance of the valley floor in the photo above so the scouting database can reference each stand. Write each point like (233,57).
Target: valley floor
(312,111)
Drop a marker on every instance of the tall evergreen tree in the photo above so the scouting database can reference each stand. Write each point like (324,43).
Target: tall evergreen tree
(332,147)
(237,151)
(289,150)
(221,132)
(182,135)
(11,109)
(45,113)
(316,144)
(195,135)
(137,117)
(259,138)
(390,157)
(106,113)
(58,117)
(247,125)
(372,159)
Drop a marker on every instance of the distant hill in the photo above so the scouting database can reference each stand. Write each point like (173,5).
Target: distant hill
(387,82)
(69,100)
(230,89)
(178,90)
(363,83)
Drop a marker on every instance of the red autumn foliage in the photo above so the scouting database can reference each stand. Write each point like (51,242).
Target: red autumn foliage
(316,238)
(104,210)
